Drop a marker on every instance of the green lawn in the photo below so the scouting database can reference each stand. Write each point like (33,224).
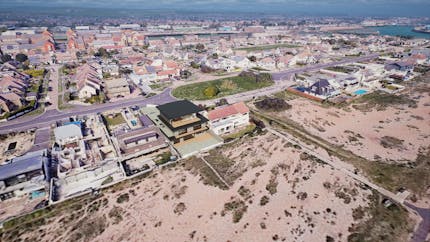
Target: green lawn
(267,47)
(115,120)
(227,86)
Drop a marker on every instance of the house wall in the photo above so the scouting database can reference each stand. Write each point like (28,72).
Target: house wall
(229,124)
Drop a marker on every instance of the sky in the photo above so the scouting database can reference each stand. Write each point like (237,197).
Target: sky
(419,8)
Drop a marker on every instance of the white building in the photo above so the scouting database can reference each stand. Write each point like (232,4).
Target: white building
(226,119)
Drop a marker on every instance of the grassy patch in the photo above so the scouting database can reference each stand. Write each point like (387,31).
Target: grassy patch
(391,142)
(123,198)
(116,214)
(264,200)
(341,69)
(163,158)
(159,85)
(226,86)
(108,180)
(227,168)
(381,101)
(246,130)
(384,224)
(35,72)
(115,119)
(237,207)
(197,167)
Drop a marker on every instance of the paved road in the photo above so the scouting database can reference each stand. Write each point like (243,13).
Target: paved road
(245,96)
(51,116)
(277,76)
(421,233)
(53,84)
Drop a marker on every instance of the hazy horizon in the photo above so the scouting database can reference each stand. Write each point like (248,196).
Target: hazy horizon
(375,8)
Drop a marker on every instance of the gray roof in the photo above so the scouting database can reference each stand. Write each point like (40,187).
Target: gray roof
(31,161)
(145,121)
(67,131)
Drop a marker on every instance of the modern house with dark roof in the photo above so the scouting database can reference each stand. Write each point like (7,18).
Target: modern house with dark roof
(322,88)
(25,175)
(185,126)
(183,119)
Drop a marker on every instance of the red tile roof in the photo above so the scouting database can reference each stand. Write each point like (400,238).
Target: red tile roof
(228,110)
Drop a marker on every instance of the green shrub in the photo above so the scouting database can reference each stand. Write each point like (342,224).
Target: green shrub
(211,91)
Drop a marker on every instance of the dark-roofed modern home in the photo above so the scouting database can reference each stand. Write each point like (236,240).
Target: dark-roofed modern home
(183,119)
(182,122)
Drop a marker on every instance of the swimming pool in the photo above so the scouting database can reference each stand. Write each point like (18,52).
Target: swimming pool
(360,92)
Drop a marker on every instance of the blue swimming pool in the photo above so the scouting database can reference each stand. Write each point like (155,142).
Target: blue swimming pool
(360,92)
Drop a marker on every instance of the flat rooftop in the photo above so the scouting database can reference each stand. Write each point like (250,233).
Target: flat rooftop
(201,142)
(178,109)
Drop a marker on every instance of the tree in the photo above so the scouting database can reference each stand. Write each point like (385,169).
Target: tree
(5,58)
(194,65)
(21,57)
(221,102)
(102,52)
(200,46)
(211,91)
(185,74)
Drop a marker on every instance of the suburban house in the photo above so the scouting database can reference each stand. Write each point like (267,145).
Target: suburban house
(88,81)
(184,119)
(141,141)
(117,88)
(226,119)
(322,89)
(185,126)
(267,63)
(26,175)
(403,66)
(13,88)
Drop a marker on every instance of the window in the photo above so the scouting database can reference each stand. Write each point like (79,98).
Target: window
(197,127)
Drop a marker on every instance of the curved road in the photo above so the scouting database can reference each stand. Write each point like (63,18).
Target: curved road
(51,116)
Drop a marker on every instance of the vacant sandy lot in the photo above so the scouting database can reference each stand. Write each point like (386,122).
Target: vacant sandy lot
(275,193)
(24,141)
(394,134)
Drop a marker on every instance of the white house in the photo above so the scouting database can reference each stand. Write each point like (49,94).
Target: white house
(226,119)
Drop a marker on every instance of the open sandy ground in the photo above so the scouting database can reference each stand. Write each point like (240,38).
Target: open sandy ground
(276,193)
(363,132)
(24,141)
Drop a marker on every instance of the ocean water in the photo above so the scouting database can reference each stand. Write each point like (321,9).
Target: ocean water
(397,30)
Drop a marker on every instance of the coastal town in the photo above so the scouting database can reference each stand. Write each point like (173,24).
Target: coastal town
(332,115)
